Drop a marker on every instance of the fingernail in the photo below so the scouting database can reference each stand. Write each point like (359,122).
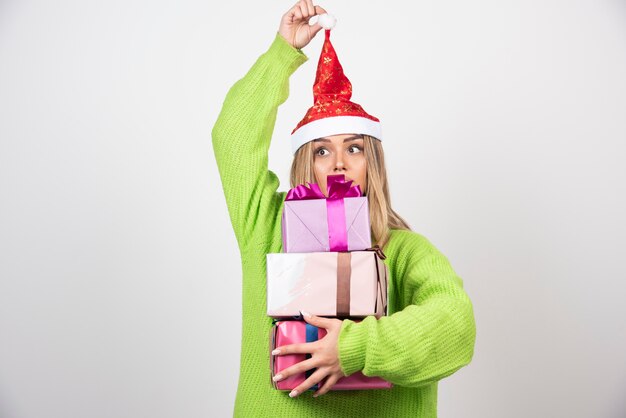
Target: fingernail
(293,393)
(308,315)
(315,395)
(275,352)
(277,377)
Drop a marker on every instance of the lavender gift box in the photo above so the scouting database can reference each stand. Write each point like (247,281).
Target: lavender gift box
(337,284)
(312,222)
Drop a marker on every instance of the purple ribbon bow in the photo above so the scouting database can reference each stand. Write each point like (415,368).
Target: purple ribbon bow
(338,189)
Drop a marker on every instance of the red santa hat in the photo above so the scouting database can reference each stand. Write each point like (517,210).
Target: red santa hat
(332,112)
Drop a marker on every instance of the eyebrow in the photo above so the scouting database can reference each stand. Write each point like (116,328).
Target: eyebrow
(350,138)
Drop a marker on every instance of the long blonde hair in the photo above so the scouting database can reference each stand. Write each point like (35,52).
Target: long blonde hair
(382,217)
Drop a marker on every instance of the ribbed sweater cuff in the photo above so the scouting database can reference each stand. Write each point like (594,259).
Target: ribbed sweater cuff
(352,341)
(285,56)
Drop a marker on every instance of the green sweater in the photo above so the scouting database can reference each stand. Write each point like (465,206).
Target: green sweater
(429,333)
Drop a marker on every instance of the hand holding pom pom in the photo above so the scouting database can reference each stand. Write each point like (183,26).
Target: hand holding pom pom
(295,27)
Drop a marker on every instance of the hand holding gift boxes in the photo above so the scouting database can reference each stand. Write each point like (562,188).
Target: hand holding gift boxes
(328,268)
(294,332)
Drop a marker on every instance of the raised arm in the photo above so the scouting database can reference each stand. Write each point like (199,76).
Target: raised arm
(242,133)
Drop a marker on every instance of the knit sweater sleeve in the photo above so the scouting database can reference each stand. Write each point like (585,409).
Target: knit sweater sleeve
(430,338)
(241,138)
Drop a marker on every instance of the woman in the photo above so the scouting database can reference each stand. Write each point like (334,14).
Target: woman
(429,333)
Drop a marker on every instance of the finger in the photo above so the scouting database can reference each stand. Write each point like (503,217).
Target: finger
(291,12)
(315,28)
(300,367)
(301,348)
(310,7)
(297,13)
(315,378)
(304,10)
(328,385)
(318,321)
(319,10)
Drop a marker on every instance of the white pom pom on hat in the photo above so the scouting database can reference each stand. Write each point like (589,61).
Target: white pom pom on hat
(327,21)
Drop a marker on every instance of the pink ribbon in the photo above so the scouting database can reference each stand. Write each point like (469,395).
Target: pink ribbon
(338,189)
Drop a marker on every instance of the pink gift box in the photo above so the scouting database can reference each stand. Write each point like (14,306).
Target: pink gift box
(337,284)
(313,223)
(293,332)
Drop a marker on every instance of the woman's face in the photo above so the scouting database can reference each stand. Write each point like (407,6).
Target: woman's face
(340,154)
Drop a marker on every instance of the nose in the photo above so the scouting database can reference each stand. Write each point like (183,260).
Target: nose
(339,163)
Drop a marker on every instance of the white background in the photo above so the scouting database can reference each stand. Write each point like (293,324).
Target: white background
(120,286)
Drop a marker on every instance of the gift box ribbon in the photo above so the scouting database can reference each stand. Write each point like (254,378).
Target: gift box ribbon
(344,271)
(338,189)
(311,336)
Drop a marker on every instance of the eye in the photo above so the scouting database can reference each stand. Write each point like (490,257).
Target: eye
(353,149)
(321,151)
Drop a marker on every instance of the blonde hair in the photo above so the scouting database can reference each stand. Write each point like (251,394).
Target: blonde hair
(382,217)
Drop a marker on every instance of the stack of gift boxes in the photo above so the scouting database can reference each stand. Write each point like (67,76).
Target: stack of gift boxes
(327,268)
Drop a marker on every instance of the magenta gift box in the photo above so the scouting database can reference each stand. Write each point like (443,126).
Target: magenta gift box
(293,332)
(337,284)
(305,225)
(312,222)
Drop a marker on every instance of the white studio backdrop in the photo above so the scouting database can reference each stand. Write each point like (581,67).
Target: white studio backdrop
(120,286)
